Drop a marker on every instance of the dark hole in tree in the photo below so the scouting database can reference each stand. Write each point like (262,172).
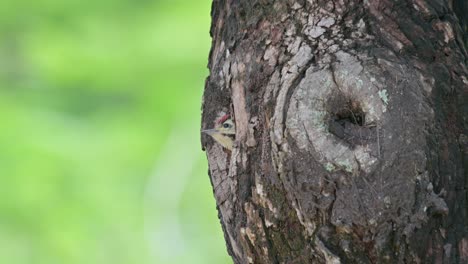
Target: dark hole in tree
(350,112)
(347,121)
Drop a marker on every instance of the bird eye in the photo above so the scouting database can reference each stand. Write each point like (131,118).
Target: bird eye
(226,125)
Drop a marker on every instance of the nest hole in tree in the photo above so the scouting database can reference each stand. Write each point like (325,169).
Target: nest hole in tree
(352,113)
(347,120)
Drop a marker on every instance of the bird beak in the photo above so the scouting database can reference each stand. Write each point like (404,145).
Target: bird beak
(209,131)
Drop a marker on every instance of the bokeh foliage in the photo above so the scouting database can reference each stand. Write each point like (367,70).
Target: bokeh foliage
(100,160)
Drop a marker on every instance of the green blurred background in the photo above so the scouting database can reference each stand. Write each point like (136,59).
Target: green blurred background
(100,157)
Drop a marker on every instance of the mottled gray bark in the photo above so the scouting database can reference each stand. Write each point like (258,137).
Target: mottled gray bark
(350,130)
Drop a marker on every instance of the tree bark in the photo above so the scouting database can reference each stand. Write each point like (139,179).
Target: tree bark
(351,143)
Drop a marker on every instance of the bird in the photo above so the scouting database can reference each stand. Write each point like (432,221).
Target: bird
(223,132)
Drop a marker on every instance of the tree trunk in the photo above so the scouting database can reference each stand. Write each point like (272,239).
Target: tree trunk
(351,143)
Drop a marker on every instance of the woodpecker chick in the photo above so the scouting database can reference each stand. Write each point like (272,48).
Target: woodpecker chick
(223,132)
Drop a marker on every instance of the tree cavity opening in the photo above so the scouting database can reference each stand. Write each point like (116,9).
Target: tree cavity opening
(347,121)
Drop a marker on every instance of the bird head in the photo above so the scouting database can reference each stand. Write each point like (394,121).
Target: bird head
(224,125)
(223,131)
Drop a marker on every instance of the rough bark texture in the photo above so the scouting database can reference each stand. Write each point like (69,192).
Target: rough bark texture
(351,142)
